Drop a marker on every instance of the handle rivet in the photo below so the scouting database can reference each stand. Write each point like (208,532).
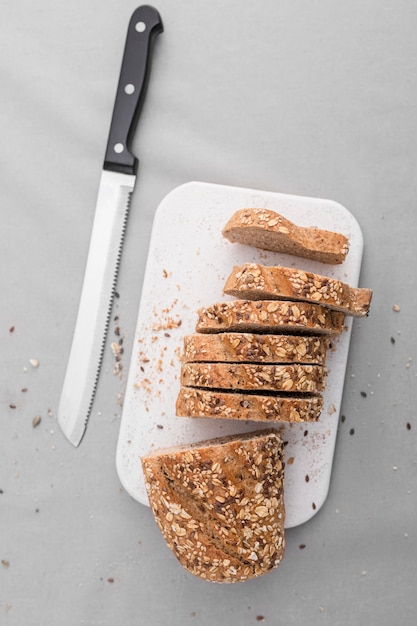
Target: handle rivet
(129,89)
(118,148)
(140,27)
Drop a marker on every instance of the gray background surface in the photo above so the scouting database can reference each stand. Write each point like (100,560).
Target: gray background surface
(311,98)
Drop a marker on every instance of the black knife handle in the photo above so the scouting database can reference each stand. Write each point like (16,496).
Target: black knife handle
(144,24)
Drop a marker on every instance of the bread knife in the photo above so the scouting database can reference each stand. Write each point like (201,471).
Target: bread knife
(117,183)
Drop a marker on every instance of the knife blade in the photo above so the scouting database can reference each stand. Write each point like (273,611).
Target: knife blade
(115,189)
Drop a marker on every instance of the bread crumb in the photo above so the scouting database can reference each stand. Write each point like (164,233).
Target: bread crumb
(34,362)
(36,421)
(396,308)
(117,350)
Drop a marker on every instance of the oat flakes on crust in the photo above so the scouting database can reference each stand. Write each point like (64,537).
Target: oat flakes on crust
(294,377)
(195,402)
(255,348)
(220,504)
(253,281)
(269,316)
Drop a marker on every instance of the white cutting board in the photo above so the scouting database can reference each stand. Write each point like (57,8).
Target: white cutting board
(188,263)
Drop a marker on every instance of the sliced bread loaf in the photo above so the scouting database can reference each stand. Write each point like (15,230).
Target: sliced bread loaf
(219,504)
(266,229)
(253,281)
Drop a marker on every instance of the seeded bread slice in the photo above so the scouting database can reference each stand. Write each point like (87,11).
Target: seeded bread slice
(253,281)
(219,504)
(262,228)
(269,316)
(194,402)
(255,348)
(254,377)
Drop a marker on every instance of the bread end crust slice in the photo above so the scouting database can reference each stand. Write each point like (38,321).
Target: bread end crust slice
(268,230)
(220,505)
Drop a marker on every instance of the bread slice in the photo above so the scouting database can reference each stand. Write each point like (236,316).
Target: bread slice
(255,348)
(269,316)
(219,504)
(253,281)
(257,407)
(266,229)
(254,377)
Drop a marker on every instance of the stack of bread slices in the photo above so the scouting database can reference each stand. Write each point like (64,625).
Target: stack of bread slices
(260,357)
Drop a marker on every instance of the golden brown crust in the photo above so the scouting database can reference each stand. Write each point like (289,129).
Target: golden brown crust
(253,281)
(255,348)
(269,316)
(194,402)
(268,230)
(220,504)
(254,377)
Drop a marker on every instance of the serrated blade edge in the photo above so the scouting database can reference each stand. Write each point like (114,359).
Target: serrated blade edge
(94,312)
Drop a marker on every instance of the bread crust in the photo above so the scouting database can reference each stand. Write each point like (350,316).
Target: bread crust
(269,316)
(220,505)
(257,407)
(290,377)
(255,348)
(268,230)
(253,281)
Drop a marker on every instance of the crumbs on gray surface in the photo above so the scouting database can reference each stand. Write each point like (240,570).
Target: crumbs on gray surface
(117,349)
(165,321)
